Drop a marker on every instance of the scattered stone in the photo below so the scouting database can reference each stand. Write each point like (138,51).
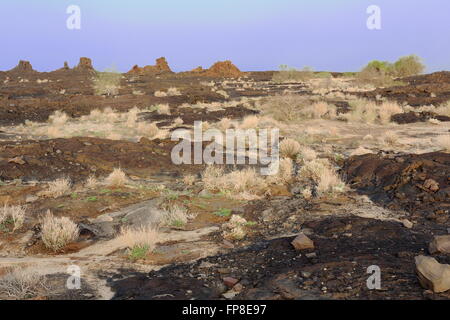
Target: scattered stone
(31,198)
(407,224)
(302,242)
(433,275)
(431,185)
(228,244)
(230,282)
(306,274)
(18,160)
(311,255)
(206,264)
(238,287)
(230,294)
(440,244)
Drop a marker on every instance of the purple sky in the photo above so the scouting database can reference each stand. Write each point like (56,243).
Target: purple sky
(254,34)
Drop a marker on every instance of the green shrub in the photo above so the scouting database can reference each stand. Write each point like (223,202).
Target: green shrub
(409,66)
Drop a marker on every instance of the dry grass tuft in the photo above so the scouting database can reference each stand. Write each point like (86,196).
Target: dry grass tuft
(249,122)
(239,183)
(175,217)
(57,188)
(289,148)
(141,237)
(91,182)
(371,112)
(390,138)
(163,109)
(189,180)
(224,124)
(117,178)
(15,215)
(285,172)
(234,228)
(306,154)
(56,233)
(323,175)
(20,284)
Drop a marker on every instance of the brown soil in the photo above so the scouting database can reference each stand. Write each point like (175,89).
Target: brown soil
(78,158)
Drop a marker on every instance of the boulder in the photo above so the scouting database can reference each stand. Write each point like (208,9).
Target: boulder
(302,242)
(433,275)
(440,244)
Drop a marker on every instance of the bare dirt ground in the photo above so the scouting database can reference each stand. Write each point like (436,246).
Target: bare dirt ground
(392,196)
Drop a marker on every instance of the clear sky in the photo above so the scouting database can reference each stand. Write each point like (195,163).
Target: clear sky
(255,34)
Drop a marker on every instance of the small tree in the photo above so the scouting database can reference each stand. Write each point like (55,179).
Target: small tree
(409,66)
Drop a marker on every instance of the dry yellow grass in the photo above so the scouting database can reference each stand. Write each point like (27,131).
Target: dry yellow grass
(244,183)
(101,124)
(57,188)
(13,214)
(175,216)
(20,284)
(234,228)
(141,237)
(91,182)
(56,233)
(390,138)
(289,148)
(249,122)
(224,124)
(370,112)
(117,178)
(284,174)
(163,109)
(189,179)
(323,175)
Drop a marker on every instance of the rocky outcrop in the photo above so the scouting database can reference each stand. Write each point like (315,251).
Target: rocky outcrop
(23,67)
(161,66)
(224,69)
(199,69)
(85,65)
